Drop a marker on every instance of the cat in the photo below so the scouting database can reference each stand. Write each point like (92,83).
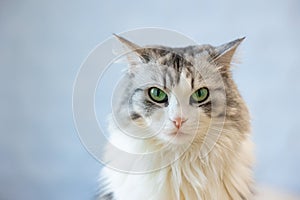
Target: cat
(182,107)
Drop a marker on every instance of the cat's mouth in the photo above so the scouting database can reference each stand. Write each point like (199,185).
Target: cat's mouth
(178,137)
(177,133)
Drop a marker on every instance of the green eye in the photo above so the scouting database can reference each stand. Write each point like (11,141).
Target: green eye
(200,95)
(158,95)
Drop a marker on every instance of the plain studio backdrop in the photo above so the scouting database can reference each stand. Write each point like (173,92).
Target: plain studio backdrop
(43,43)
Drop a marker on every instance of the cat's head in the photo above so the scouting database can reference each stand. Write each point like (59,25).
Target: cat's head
(175,95)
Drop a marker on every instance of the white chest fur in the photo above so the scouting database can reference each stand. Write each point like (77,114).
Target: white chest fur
(225,175)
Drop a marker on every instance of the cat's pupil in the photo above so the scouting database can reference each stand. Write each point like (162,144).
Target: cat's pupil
(200,93)
(157,92)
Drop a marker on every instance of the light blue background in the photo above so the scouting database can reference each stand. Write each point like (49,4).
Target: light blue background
(43,43)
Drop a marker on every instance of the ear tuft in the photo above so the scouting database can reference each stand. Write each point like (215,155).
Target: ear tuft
(138,54)
(225,53)
(127,43)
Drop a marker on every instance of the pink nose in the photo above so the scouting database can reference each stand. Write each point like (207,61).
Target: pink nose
(178,121)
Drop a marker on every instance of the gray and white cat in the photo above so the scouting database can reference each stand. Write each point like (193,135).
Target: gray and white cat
(183,104)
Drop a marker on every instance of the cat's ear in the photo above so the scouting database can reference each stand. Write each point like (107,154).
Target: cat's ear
(224,53)
(136,53)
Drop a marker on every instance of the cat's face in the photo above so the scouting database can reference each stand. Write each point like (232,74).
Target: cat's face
(174,94)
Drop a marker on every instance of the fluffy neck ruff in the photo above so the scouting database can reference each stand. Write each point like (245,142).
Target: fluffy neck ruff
(224,173)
